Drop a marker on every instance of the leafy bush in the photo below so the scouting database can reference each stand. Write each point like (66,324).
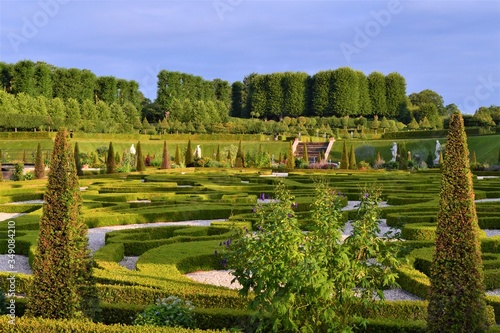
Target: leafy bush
(170,311)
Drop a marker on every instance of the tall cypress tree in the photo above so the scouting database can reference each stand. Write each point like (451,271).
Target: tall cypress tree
(78,163)
(457,292)
(140,158)
(62,285)
(344,159)
(39,165)
(110,161)
(188,158)
(305,155)
(165,159)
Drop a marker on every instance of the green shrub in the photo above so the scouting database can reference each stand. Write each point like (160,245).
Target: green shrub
(170,311)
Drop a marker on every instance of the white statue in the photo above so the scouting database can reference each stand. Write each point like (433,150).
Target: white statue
(197,152)
(132,149)
(394,151)
(436,152)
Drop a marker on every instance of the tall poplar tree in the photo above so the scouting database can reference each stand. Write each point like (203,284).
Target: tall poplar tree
(377,91)
(457,292)
(395,94)
(62,286)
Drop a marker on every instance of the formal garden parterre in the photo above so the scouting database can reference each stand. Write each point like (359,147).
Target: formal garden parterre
(166,253)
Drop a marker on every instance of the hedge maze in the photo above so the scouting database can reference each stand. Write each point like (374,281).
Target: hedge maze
(165,253)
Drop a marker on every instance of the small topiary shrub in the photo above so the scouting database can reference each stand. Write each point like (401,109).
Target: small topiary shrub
(171,311)
(18,172)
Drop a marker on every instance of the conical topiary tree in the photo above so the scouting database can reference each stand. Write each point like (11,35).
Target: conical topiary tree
(39,165)
(473,159)
(78,162)
(240,157)
(177,158)
(1,173)
(217,155)
(188,158)
(165,159)
(110,161)
(62,285)
(140,166)
(344,158)
(457,292)
(352,159)
(305,155)
(290,160)
(402,157)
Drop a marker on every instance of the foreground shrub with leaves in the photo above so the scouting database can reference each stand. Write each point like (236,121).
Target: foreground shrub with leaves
(171,311)
(315,281)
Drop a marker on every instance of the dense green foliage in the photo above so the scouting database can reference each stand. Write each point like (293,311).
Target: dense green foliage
(62,269)
(110,160)
(457,292)
(308,283)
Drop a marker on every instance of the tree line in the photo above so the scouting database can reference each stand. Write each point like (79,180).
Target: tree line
(340,92)
(42,79)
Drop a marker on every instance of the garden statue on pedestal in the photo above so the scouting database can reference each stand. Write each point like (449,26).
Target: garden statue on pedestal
(197,152)
(394,151)
(436,152)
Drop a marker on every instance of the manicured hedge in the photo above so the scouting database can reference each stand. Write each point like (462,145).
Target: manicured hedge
(20,208)
(38,325)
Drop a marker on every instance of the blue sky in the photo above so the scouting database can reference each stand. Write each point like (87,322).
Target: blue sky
(451,47)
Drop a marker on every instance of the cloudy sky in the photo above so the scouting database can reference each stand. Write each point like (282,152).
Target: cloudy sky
(451,47)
